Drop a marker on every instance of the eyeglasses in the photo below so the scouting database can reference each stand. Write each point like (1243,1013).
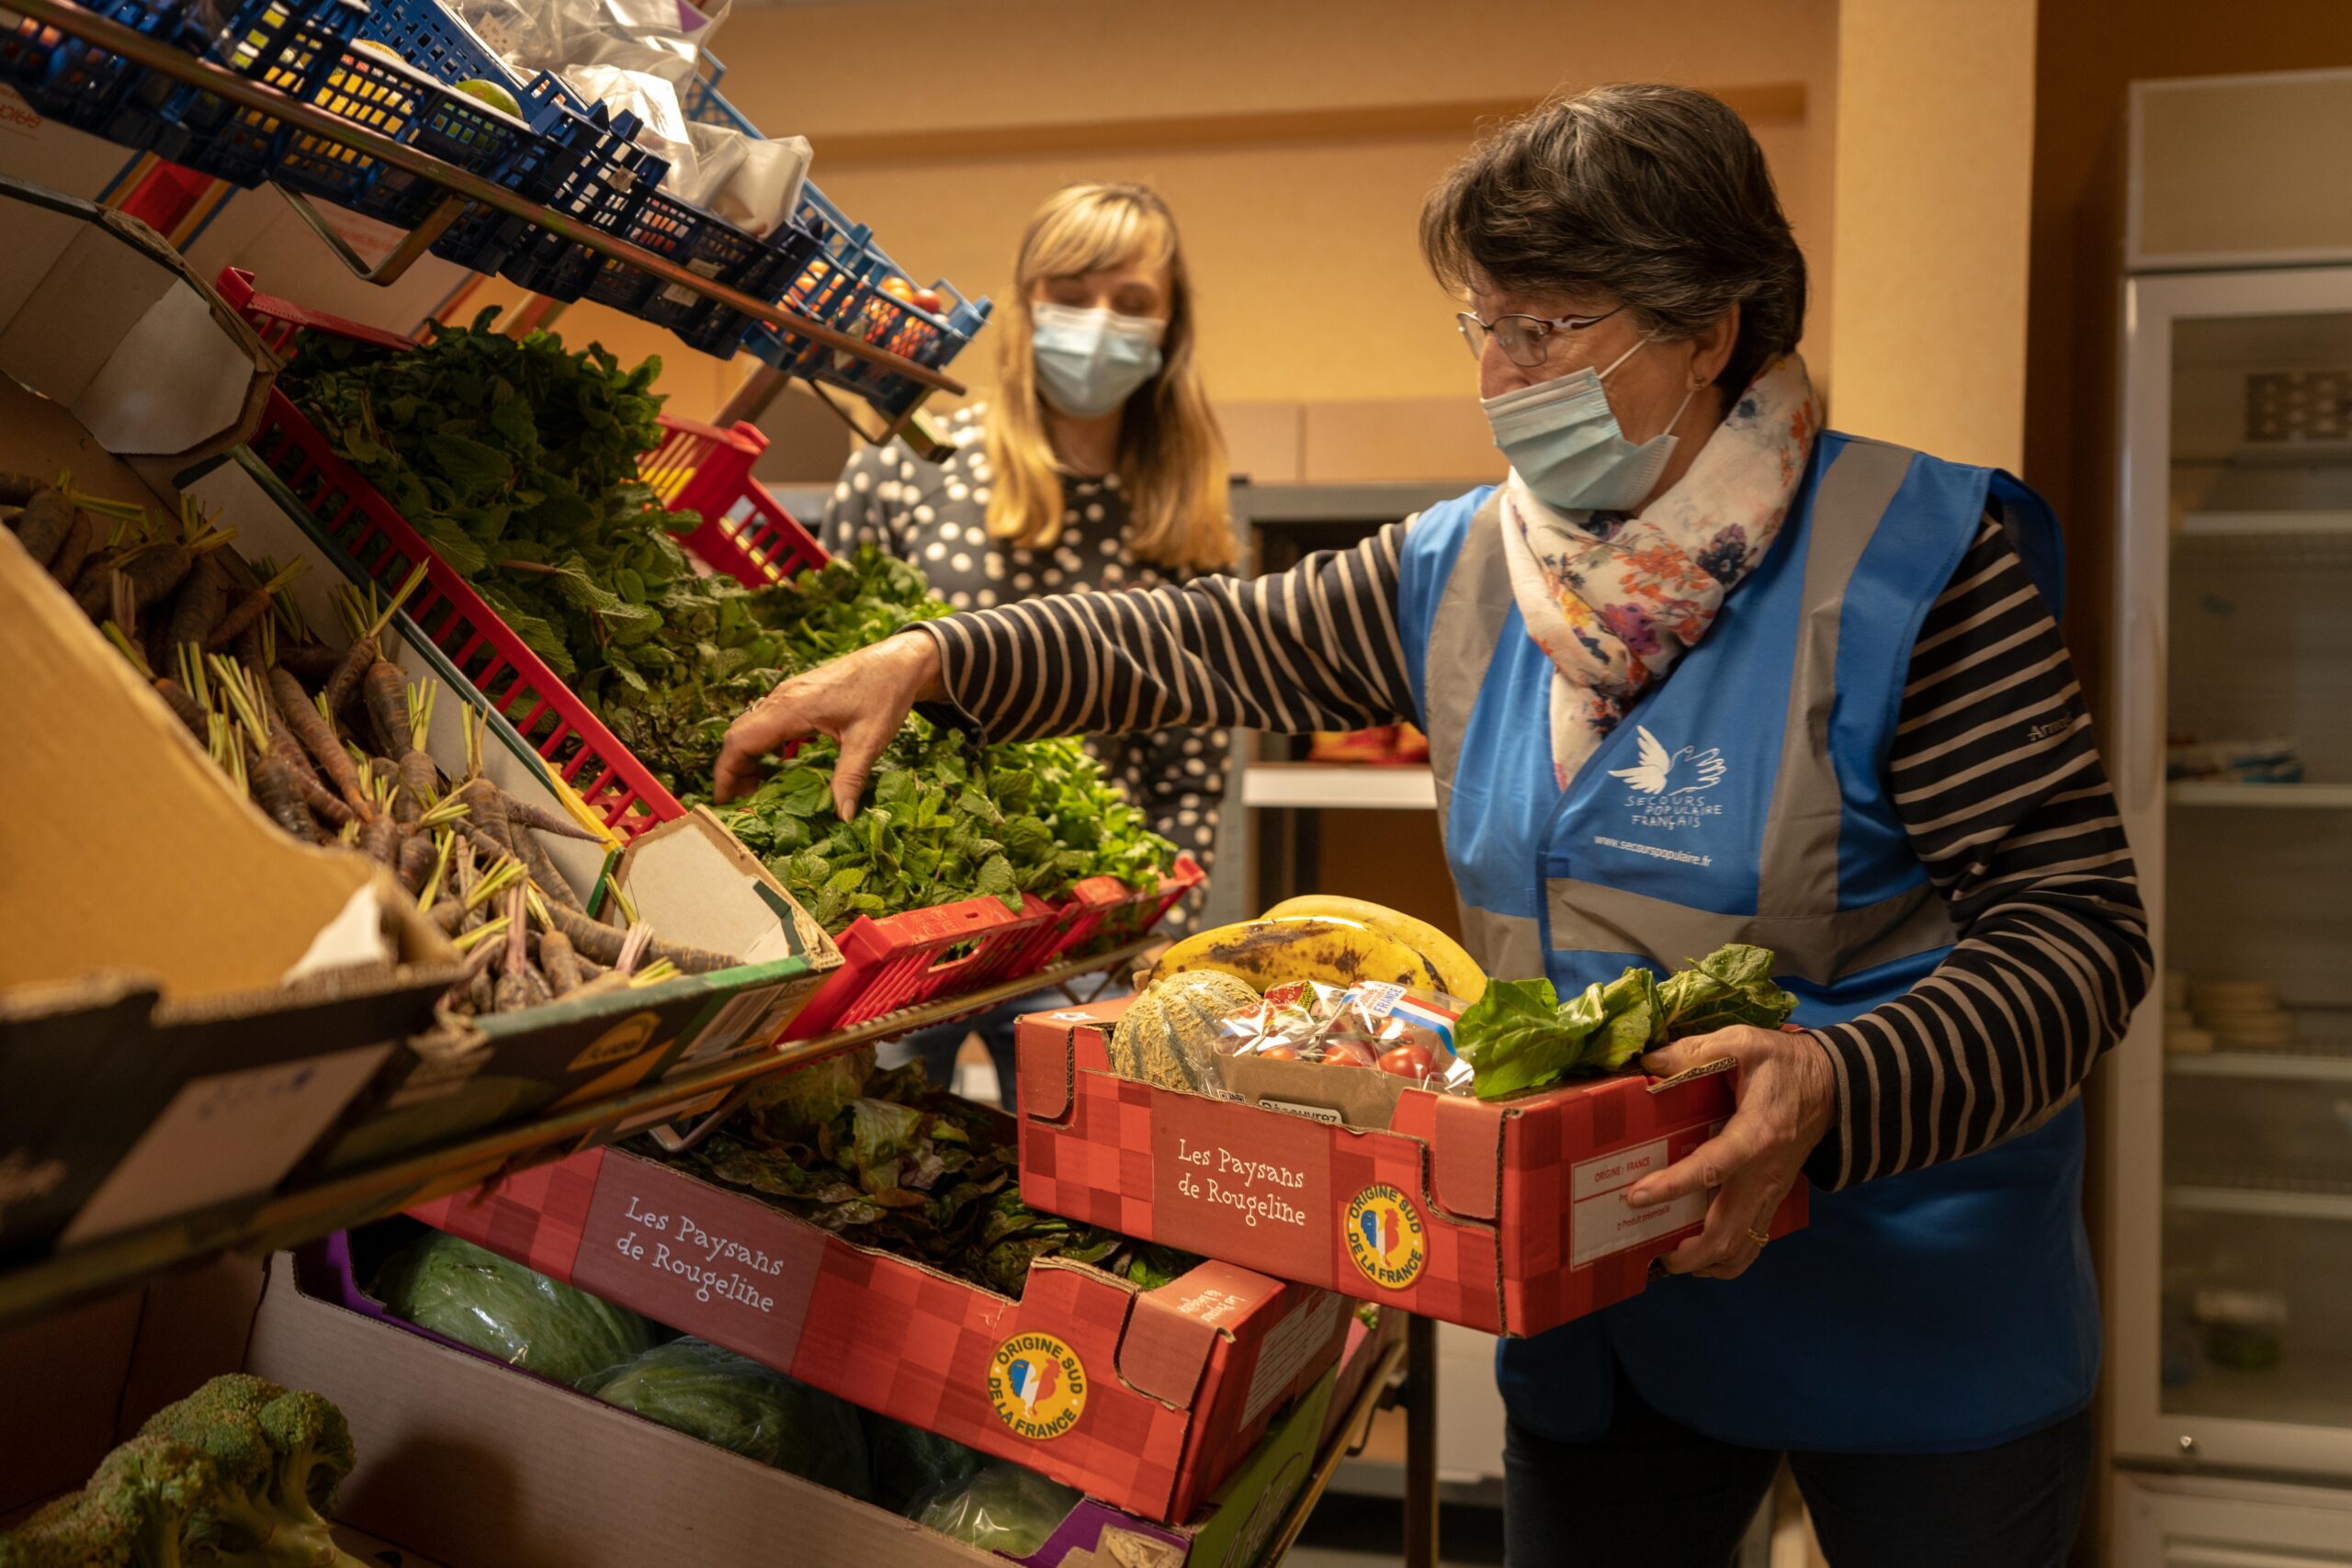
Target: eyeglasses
(1526,340)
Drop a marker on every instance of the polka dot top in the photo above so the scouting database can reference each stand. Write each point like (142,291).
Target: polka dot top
(934,515)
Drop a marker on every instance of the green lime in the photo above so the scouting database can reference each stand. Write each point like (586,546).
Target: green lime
(493,94)
(380,50)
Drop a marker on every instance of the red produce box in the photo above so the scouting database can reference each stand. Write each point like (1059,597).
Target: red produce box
(1506,1216)
(1145,1398)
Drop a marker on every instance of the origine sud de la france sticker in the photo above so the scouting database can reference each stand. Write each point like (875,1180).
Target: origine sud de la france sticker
(1384,1235)
(1037,1384)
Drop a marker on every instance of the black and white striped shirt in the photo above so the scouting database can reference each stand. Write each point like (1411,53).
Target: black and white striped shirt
(1993,772)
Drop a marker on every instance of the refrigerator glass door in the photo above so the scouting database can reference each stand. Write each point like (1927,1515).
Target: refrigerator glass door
(2232,1170)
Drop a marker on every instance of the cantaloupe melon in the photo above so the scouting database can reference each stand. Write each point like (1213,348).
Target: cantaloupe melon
(1169,1035)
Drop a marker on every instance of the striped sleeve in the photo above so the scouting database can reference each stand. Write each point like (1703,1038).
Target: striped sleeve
(1313,648)
(1999,785)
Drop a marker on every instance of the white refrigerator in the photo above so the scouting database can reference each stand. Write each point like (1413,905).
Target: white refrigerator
(2228,1178)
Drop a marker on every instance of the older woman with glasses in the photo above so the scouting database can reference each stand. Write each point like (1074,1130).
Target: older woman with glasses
(1699,670)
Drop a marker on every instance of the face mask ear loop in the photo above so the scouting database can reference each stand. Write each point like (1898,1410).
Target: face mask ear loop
(1680,408)
(1639,343)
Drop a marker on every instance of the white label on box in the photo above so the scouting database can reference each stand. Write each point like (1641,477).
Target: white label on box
(1312,1113)
(1289,1346)
(226,1136)
(1600,1222)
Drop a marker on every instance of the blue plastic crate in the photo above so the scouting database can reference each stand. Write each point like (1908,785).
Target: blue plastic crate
(434,41)
(700,100)
(484,238)
(408,107)
(929,339)
(290,45)
(65,78)
(597,174)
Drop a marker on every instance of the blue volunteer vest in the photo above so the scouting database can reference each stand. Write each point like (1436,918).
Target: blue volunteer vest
(1746,799)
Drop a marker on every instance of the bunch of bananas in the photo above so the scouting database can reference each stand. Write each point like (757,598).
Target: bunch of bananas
(1339,941)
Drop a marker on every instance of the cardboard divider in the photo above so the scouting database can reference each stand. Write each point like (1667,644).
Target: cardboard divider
(1505,1217)
(188,999)
(1147,1400)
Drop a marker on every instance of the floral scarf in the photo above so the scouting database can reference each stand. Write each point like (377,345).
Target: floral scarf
(1614,600)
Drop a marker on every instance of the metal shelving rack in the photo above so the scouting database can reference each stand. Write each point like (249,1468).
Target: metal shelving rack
(459,187)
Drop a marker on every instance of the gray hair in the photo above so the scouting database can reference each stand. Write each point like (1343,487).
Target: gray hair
(1655,195)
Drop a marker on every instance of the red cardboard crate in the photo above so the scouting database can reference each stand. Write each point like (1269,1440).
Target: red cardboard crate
(1154,1395)
(1504,1216)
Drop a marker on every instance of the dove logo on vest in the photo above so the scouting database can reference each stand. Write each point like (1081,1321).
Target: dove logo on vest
(1665,786)
(1384,1235)
(1037,1385)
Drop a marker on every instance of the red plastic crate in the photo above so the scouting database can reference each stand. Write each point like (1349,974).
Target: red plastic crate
(744,533)
(516,682)
(925,955)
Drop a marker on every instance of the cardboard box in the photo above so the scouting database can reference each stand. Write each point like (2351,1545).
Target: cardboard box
(1230,1530)
(188,999)
(482,1467)
(1506,1216)
(1155,1396)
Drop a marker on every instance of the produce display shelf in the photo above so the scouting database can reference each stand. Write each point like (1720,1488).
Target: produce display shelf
(293,116)
(2294,1066)
(1338,786)
(2264,797)
(2267,1203)
(889,962)
(39,1288)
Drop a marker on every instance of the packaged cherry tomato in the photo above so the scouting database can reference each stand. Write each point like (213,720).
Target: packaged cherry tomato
(1374,1025)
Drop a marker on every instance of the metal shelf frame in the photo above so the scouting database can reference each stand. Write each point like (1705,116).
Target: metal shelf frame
(458,186)
(42,1286)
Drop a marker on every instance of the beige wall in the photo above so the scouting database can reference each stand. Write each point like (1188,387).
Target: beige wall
(1934,203)
(1295,142)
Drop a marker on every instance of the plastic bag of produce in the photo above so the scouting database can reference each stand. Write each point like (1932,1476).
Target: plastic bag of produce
(1405,1033)
(497,1306)
(1003,1508)
(732,1401)
(911,1463)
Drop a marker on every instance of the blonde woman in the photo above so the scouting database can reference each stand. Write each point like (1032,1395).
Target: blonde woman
(1098,466)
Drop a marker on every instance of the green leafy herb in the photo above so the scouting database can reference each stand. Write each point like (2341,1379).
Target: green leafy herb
(517,462)
(1520,1035)
(898,1166)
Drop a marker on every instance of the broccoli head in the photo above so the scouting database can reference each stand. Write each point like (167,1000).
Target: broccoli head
(136,1512)
(279,1457)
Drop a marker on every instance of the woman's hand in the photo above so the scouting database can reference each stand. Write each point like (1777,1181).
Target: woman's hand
(860,701)
(1786,1097)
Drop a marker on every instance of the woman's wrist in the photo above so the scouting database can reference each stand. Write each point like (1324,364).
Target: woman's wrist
(914,653)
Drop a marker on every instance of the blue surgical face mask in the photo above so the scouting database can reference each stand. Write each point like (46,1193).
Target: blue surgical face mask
(1089,361)
(1562,437)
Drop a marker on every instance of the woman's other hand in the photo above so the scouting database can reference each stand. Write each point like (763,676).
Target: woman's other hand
(1786,1097)
(859,701)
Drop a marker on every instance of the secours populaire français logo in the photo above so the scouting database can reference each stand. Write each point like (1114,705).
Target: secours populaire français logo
(1384,1235)
(1665,789)
(1037,1385)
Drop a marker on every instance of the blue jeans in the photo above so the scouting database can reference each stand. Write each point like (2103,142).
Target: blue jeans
(1651,1491)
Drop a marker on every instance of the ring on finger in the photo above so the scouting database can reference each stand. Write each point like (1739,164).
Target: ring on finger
(1758,1238)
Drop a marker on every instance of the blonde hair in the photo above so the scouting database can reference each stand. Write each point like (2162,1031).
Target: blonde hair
(1171,461)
